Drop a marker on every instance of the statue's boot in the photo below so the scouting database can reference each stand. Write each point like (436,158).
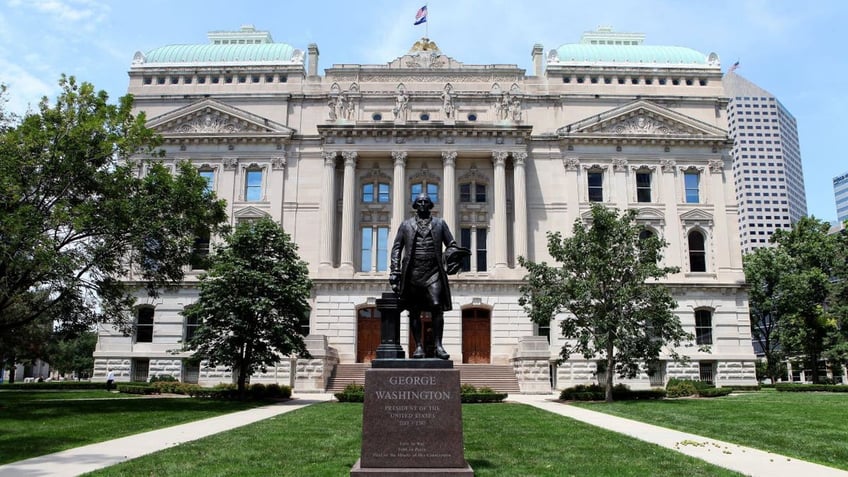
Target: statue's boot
(440,352)
(419,352)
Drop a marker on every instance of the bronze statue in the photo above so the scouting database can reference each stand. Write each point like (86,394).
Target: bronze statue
(421,278)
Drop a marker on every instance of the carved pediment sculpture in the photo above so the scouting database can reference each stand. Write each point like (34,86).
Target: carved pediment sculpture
(212,117)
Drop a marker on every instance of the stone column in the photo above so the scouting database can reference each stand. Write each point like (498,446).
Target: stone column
(328,212)
(348,209)
(520,204)
(449,192)
(398,192)
(499,219)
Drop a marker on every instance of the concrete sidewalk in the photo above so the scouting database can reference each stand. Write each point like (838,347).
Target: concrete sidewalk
(80,460)
(746,460)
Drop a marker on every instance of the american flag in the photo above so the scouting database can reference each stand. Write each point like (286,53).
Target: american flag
(733,68)
(421,16)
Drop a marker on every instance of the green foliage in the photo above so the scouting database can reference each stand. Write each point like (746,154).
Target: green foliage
(714,392)
(163,378)
(69,353)
(605,291)
(352,393)
(77,217)
(595,392)
(470,394)
(132,389)
(806,388)
(680,388)
(810,293)
(53,385)
(257,390)
(252,301)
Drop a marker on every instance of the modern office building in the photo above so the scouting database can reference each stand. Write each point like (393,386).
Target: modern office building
(767,170)
(507,155)
(840,193)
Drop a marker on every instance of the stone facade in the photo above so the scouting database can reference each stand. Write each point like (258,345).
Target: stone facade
(507,155)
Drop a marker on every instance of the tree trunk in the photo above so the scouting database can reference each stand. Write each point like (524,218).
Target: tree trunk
(610,365)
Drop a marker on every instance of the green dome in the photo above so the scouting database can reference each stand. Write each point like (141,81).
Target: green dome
(211,53)
(631,55)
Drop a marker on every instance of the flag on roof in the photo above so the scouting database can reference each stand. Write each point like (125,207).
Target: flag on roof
(733,67)
(421,16)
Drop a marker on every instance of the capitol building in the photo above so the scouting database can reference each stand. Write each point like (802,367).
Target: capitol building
(336,156)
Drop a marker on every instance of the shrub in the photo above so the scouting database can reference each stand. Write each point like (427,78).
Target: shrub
(65,385)
(832,388)
(745,388)
(257,390)
(470,394)
(620,392)
(680,388)
(352,393)
(714,392)
(466,388)
(133,389)
(163,378)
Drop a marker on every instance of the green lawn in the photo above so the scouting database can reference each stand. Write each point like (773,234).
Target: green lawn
(809,426)
(500,440)
(43,422)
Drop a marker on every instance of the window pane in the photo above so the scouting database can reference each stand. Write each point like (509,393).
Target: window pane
(703,327)
(697,253)
(140,370)
(383,193)
(210,179)
(433,192)
(596,189)
(382,248)
(480,193)
(481,250)
(691,180)
(200,252)
(253,191)
(643,187)
(144,326)
(368,193)
(465,192)
(415,191)
(465,241)
(190,328)
(365,256)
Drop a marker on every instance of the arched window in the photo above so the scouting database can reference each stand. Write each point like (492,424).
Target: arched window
(697,252)
(703,327)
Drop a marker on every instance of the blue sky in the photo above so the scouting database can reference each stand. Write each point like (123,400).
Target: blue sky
(792,49)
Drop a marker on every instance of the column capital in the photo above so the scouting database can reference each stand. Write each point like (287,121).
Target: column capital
(571,163)
(499,157)
(518,158)
(279,162)
(449,158)
(329,158)
(399,157)
(350,158)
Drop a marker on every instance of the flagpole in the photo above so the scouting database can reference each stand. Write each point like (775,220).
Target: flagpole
(427,23)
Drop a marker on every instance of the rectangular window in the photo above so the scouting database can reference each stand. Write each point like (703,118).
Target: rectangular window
(465,192)
(691,181)
(209,175)
(596,186)
(191,326)
(200,252)
(433,192)
(383,193)
(479,193)
(382,248)
(253,186)
(706,372)
(367,245)
(140,370)
(465,241)
(703,327)
(144,326)
(367,193)
(481,250)
(414,191)
(643,186)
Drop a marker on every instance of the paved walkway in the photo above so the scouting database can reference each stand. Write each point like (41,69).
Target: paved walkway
(80,460)
(746,460)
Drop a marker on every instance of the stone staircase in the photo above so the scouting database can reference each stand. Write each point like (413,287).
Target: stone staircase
(501,378)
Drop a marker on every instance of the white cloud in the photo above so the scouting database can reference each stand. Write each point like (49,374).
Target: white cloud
(25,89)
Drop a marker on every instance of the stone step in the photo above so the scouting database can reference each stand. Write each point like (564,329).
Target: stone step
(500,378)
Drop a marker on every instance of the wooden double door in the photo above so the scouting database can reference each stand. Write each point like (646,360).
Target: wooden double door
(476,335)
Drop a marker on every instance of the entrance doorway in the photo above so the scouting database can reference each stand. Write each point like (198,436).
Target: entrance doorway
(476,335)
(367,334)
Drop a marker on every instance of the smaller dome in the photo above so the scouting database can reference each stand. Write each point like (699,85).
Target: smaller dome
(630,55)
(228,53)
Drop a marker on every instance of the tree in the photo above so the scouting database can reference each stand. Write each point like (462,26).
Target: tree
(73,353)
(252,301)
(606,283)
(76,218)
(765,270)
(810,328)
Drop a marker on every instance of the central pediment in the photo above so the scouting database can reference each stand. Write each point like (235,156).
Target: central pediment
(642,119)
(214,118)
